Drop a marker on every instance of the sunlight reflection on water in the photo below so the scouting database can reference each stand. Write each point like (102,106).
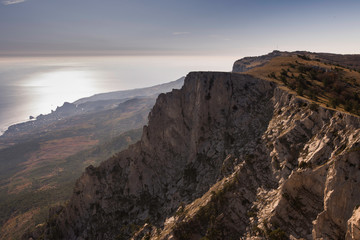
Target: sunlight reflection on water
(34,86)
(54,87)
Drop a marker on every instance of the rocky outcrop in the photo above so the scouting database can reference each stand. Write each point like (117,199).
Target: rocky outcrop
(228,156)
(353,225)
(300,181)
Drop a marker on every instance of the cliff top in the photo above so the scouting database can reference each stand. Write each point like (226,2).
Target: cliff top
(315,76)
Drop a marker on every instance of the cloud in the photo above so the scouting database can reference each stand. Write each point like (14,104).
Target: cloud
(10,2)
(180,33)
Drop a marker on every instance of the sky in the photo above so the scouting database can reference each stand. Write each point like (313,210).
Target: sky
(174,27)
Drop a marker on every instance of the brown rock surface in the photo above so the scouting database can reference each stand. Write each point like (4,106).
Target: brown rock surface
(353,225)
(228,156)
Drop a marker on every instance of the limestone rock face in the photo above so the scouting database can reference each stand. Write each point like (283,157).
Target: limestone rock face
(228,156)
(353,226)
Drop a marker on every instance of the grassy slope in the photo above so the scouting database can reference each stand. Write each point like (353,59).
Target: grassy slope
(29,207)
(40,168)
(330,85)
(35,159)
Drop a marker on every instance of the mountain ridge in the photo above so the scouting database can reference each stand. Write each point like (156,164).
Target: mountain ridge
(228,156)
(125,94)
(92,104)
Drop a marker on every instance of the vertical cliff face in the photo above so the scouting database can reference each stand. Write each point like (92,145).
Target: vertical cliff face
(179,157)
(227,156)
(299,180)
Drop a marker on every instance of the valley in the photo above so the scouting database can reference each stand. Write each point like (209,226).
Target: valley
(41,159)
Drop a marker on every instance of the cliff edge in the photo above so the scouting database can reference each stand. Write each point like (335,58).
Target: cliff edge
(228,156)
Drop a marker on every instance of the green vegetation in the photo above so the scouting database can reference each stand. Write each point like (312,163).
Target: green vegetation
(277,234)
(252,212)
(322,80)
(270,232)
(314,107)
(304,57)
(24,202)
(205,222)
(17,154)
(333,85)
(43,192)
(304,165)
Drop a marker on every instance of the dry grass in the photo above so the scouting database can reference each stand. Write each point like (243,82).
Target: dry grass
(59,149)
(350,78)
(17,224)
(49,152)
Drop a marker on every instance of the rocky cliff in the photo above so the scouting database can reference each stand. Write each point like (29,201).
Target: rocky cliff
(228,156)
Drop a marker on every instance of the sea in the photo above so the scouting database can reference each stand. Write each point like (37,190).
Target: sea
(30,86)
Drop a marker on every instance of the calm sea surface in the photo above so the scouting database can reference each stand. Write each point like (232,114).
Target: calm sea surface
(33,86)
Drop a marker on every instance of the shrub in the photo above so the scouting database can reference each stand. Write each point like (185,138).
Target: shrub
(314,107)
(304,165)
(313,95)
(300,91)
(348,106)
(283,72)
(277,234)
(334,102)
(283,79)
(272,75)
(252,212)
(304,57)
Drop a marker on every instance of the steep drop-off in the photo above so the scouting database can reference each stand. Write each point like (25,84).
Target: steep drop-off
(228,156)
(40,160)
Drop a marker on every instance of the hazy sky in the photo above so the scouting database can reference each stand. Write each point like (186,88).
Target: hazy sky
(214,27)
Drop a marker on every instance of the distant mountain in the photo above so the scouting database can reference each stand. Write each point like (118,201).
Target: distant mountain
(141,92)
(96,103)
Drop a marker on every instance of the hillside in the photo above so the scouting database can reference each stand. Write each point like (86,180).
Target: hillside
(128,94)
(229,156)
(41,159)
(40,169)
(26,196)
(318,77)
(90,105)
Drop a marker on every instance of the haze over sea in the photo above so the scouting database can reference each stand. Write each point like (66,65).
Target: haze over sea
(36,85)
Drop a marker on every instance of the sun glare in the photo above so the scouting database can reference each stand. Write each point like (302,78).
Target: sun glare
(56,87)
